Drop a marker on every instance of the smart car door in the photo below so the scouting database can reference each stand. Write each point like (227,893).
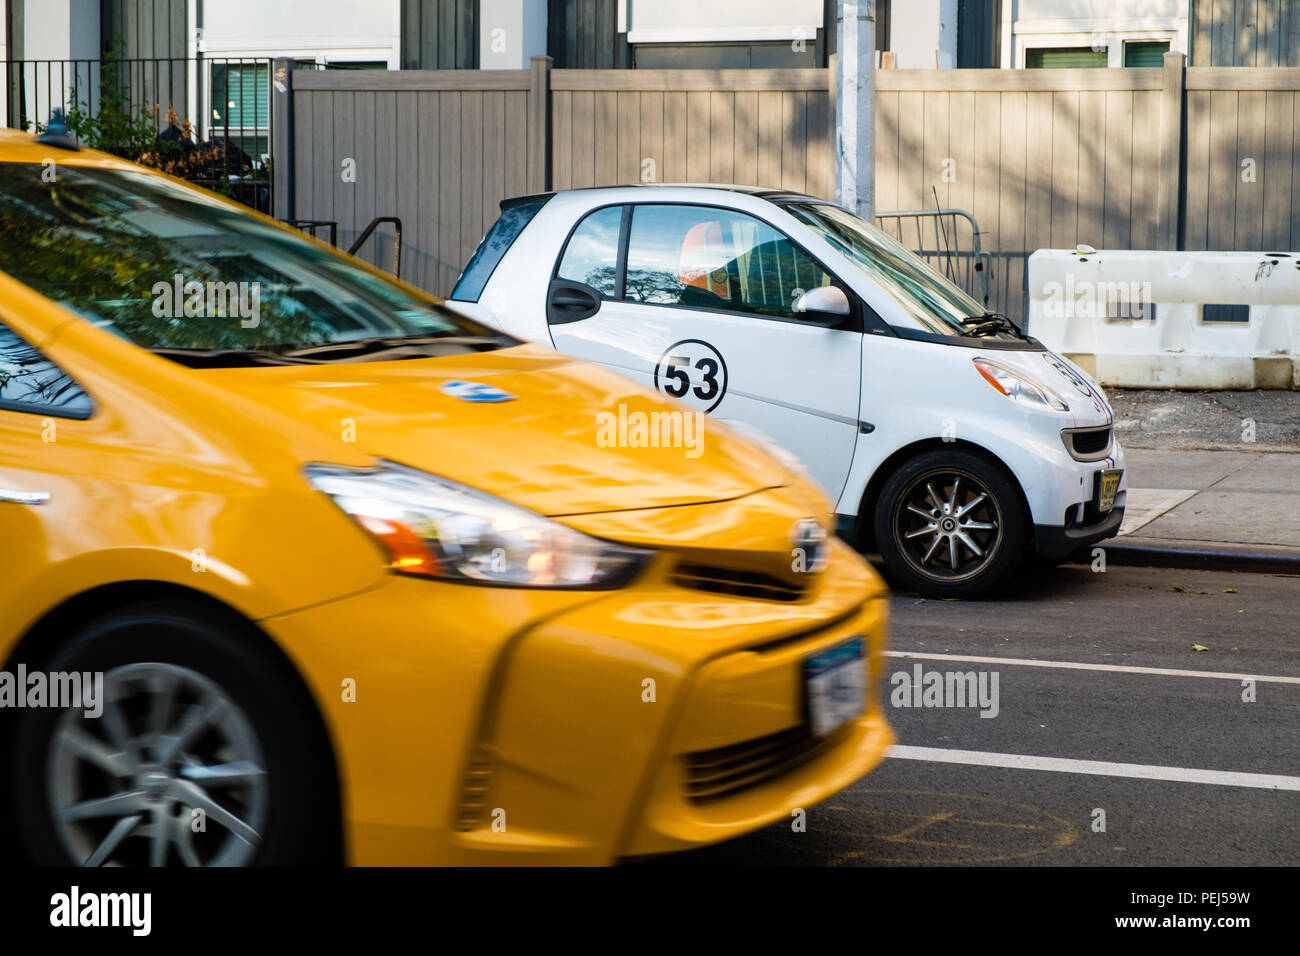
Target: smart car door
(699,302)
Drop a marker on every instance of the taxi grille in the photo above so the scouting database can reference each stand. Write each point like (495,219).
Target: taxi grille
(734,581)
(724,771)
(474,790)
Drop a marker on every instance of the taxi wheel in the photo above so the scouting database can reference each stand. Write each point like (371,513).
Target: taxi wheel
(950,524)
(205,753)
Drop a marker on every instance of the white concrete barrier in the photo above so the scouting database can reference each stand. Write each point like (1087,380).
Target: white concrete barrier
(1144,319)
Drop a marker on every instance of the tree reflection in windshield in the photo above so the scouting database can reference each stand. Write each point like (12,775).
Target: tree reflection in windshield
(117,247)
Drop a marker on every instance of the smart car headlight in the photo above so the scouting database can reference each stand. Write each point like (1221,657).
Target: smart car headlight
(1018,385)
(1080,379)
(436,528)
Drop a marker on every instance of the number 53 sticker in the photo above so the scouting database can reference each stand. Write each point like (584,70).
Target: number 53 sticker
(692,368)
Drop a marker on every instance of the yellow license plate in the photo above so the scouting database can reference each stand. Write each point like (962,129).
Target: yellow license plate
(1109,487)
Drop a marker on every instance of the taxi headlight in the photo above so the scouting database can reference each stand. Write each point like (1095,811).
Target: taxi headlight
(436,528)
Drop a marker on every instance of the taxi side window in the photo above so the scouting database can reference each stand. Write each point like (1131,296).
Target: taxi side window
(29,382)
(591,255)
(706,257)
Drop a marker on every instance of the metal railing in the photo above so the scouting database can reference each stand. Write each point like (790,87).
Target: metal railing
(207,120)
(314,227)
(396,223)
(936,235)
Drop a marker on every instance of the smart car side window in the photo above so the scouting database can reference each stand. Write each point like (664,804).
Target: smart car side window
(591,255)
(29,382)
(708,257)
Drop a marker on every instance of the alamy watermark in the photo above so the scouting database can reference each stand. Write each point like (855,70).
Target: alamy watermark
(1086,299)
(192,299)
(133,911)
(58,689)
(659,429)
(947,689)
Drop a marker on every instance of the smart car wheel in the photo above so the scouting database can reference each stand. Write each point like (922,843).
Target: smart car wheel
(950,524)
(200,754)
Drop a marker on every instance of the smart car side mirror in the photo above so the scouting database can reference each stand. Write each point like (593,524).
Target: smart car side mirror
(825,305)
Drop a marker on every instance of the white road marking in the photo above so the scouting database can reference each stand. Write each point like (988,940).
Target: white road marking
(1114,668)
(1098,768)
(1144,505)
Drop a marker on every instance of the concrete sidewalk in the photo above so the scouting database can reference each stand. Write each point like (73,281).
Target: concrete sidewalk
(1213,479)
(1211,508)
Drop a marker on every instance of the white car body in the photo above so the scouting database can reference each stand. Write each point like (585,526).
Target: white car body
(852,403)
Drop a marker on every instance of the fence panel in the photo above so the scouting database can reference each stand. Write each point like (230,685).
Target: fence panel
(1040,158)
(437,148)
(748,127)
(215,131)
(1243,159)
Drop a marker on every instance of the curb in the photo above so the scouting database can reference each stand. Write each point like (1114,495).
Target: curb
(1205,557)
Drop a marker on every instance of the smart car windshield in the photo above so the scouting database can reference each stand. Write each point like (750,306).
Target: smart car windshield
(934,303)
(184,275)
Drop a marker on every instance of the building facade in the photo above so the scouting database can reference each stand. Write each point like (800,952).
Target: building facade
(199,60)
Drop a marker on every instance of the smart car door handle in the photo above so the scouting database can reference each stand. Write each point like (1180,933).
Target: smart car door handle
(24,497)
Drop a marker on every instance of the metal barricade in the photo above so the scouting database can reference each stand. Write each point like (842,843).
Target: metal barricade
(947,239)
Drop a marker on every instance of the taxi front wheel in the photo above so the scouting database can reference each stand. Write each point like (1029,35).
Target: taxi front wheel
(950,523)
(197,749)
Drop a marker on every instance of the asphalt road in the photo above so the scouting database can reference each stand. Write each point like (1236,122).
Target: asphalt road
(1186,772)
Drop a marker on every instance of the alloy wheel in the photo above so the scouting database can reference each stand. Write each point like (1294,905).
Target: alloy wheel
(172,771)
(948,525)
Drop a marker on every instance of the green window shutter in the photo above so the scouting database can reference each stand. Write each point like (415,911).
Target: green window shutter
(1146,54)
(241,94)
(1064,58)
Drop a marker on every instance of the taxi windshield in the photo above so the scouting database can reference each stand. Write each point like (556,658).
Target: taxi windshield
(180,273)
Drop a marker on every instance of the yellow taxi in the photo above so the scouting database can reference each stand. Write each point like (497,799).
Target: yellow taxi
(298,565)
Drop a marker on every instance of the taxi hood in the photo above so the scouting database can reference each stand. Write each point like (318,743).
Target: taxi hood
(564,438)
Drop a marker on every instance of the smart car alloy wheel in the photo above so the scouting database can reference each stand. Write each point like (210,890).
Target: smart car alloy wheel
(951,524)
(948,524)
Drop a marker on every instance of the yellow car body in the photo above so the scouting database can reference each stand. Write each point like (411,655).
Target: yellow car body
(468,724)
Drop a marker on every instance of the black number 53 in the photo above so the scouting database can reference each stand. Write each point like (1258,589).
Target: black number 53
(682,382)
(672,375)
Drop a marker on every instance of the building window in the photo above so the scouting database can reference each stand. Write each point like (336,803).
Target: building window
(584,35)
(979,34)
(724,56)
(440,34)
(1145,53)
(1063,58)
(241,106)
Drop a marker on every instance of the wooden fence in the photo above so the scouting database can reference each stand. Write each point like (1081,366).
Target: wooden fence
(749,127)
(438,148)
(1040,158)
(1162,158)
(1242,181)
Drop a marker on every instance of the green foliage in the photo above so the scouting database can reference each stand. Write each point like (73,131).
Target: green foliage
(130,130)
(116,128)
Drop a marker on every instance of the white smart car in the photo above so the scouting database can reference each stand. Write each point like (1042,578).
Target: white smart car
(952,444)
